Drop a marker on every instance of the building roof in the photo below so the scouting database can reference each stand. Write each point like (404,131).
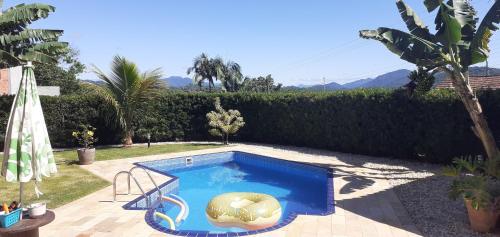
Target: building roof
(492,82)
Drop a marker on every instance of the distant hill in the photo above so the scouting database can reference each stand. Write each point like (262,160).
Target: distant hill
(329,87)
(99,82)
(358,83)
(481,71)
(178,82)
(394,79)
(473,71)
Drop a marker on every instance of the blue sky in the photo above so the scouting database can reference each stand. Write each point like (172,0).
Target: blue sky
(298,42)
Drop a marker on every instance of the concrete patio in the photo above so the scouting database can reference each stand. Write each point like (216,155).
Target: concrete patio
(365,203)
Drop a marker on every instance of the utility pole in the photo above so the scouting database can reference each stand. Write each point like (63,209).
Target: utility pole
(324,84)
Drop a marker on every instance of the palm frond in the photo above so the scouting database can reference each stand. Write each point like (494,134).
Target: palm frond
(111,117)
(26,13)
(30,35)
(35,56)
(7,59)
(127,88)
(408,47)
(52,47)
(479,46)
(413,22)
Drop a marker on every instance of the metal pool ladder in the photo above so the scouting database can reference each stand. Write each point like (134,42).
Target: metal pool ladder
(131,175)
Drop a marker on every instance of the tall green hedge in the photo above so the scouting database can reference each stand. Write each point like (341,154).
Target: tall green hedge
(433,128)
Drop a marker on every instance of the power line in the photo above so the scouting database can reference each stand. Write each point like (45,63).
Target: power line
(321,54)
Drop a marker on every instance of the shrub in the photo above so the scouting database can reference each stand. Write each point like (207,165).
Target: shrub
(224,123)
(434,127)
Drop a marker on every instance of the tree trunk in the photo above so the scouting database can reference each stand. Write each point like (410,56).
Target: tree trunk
(128,138)
(481,129)
(226,139)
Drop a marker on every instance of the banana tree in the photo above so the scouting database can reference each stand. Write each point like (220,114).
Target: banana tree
(458,43)
(18,44)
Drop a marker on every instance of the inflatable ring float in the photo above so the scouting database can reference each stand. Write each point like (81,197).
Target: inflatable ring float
(251,211)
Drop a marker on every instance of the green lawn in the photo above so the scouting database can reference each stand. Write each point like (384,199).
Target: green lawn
(71,182)
(120,153)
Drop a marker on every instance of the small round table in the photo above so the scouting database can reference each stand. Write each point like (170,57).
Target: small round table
(28,227)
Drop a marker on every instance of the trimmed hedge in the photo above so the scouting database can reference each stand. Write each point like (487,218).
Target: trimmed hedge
(63,115)
(375,122)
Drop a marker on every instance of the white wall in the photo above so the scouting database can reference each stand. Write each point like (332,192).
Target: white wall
(15,75)
(49,90)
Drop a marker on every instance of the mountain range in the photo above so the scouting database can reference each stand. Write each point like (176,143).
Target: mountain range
(177,81)
(394,79)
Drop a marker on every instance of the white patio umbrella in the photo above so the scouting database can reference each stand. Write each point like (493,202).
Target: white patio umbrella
(27,150)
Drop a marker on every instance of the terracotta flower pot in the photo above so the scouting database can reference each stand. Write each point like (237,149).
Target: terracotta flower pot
(86,156)
(482,220)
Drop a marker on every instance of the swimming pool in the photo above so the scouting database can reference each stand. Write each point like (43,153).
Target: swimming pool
(299,188)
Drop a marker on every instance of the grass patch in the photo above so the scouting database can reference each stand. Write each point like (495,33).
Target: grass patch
(71,182)
(68,184)
(136,151)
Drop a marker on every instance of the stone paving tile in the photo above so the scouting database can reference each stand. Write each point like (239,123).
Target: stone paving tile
(365,204)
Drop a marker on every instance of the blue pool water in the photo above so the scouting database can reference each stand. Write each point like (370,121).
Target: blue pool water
(298,189)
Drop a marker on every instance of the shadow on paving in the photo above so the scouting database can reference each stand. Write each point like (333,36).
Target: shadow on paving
(416,201)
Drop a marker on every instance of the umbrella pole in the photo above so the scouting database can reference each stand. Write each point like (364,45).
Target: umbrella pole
(21,187)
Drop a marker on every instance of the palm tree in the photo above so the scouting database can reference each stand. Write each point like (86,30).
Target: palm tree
(18,44)
(458,43)
(126,89)
(203,70)
(229,74)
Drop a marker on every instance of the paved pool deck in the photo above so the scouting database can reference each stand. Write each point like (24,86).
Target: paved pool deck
(365,205)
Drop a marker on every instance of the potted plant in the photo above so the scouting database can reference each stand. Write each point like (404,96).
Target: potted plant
(476,181)
(85,137)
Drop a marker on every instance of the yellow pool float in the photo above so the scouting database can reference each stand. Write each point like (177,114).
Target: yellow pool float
(251,211)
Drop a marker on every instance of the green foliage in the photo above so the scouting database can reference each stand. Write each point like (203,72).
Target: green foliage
(126,89)
(85,136)
(209,69)
(433,127)
(229,73)
(260,84)
(224,123)
(18,44)
(63,73)
(421,81)
(203,69)
(458,42)
(475,180)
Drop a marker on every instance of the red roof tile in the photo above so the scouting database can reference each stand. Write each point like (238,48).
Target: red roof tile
(492,82)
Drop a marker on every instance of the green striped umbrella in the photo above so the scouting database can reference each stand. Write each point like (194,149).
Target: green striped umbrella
(27,150)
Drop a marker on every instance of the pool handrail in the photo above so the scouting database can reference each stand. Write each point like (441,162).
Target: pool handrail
(148,201)
(186,214)
(150,178)
(167,219)
(180,216)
